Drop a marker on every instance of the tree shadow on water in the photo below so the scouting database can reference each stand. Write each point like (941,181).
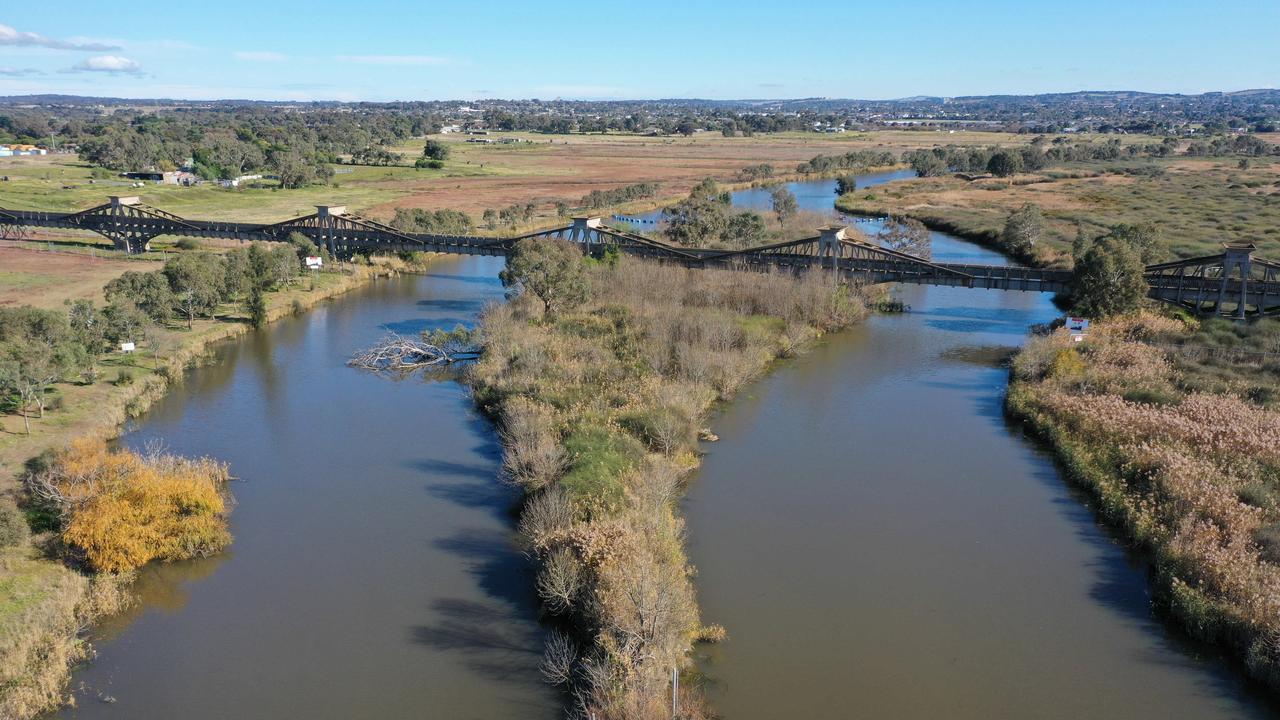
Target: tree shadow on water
(469,305)
(499,636)
(491,495)
(415,326)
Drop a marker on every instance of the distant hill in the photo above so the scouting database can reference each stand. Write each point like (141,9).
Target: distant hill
(813,103)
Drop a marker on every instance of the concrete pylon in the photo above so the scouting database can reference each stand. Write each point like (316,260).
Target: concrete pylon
(122,235)
(325,218)
(1237,257)
(584,231)
(829,245)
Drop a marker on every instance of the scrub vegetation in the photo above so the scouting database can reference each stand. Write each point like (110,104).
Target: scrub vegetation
(1174,427)
(599,402)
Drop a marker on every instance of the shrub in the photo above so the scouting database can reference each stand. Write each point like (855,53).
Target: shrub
(1151,396)
(663,429)
(560,580)
(187,243)
(1268,539)
(533,457)
(124,377)
(121,510)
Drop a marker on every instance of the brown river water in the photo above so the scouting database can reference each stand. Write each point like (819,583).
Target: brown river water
(877,540)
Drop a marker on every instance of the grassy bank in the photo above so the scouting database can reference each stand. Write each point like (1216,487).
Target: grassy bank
(1173,428)
(599,410)
(45,605)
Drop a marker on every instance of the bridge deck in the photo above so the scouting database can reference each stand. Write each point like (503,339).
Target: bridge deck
(1234,278)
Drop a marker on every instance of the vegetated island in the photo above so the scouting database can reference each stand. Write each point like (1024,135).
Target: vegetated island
(600,375)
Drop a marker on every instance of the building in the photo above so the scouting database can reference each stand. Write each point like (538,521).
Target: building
(171,177)
(235,182)
(19,149)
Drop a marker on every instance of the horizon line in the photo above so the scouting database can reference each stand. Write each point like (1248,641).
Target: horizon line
(903,98)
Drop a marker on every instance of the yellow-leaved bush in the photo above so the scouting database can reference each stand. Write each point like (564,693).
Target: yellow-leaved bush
(122,510)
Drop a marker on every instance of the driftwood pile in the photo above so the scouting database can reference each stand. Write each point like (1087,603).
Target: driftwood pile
(397,353)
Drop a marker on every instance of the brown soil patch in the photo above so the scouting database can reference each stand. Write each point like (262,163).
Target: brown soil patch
(45,279)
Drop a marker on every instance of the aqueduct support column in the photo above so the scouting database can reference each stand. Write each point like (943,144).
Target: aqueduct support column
(829,243)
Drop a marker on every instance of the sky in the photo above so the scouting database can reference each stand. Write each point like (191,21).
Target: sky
(381,50)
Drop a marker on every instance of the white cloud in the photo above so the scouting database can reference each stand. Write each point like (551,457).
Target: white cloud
(410,60)
(19,72)
(259,56)
(113,64)
(10,36)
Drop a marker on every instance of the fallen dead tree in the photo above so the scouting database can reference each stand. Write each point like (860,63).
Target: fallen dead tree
(397,353)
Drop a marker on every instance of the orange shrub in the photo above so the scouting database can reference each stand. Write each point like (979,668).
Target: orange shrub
(122,510)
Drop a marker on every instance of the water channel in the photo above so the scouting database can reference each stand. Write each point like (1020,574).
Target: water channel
(372,574)
(875,538)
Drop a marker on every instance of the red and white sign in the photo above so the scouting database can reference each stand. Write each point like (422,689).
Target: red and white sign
(314,262)
(1077,325)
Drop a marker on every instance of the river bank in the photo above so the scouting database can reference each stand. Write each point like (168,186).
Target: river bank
(1182,456)
(44,605)
(599,409)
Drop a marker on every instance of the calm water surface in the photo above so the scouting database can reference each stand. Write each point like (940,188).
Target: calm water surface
(880,544)
(814,195)
(373,574)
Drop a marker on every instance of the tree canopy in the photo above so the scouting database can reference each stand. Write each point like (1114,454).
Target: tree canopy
(552,270)
(1109,279)
(1023,228)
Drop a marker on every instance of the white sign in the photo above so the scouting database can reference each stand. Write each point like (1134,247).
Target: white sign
(126,347)
(1077,325)
(314,263)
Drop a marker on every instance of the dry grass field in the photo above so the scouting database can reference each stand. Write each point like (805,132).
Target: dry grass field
(31,275)
(543,170)
(1198,203)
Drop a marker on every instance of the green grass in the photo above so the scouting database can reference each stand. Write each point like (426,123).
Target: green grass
(598,458)
(24,280)
(62,183)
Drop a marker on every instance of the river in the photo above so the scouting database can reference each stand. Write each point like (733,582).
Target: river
(875,538)
(879,543)
(372,573)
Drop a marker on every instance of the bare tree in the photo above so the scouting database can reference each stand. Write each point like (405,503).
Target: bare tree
(558,658)
(906,235)
(560,580)
(398,353)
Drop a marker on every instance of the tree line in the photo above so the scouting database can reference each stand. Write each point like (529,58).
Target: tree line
(39,347)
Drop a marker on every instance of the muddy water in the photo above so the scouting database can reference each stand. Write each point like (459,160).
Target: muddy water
(880,544)
(373,574)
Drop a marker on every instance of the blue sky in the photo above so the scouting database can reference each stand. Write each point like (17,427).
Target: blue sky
(389,50)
